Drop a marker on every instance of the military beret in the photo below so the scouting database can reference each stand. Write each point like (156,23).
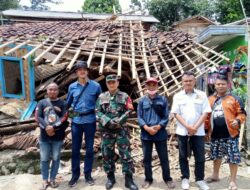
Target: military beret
(111,77)
(80,64)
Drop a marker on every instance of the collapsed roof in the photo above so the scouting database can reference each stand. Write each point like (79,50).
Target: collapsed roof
(111,46)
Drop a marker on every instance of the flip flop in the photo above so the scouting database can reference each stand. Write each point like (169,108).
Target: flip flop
(232,186)
(211,180)
(54,184)
(44,186)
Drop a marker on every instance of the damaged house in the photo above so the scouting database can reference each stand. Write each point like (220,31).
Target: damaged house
(34,54)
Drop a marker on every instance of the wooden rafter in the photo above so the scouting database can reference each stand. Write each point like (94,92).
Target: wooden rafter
(103,56)
(55,61)
(132,45)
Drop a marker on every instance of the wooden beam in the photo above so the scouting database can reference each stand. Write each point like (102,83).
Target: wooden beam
(176,59)
(161,80)
(77,53)
(119,68)
(103,56)
(167,67)
(92,52)
(8,43)
(39,57)
(55,61)
(212,51)
(197,52)
(144,52)
(16,48)
(189,59)
(34,50)
(132,45)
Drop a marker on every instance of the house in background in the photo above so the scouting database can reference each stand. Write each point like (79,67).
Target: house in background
(193,25)
(34,16)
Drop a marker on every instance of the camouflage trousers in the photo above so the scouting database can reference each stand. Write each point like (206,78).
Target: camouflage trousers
(121,138)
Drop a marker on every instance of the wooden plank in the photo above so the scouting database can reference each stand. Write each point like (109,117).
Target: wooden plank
(103,56)
(55,61)
(161,80)
(119,68)
(132,45)
(39,57)
(16,48)
(167,67)
(189,59)
(92,52)
(77,53)
(35,49)
(212,51)
(146,67)
(176,59)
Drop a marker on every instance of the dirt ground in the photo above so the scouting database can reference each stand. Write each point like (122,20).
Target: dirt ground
(33,182)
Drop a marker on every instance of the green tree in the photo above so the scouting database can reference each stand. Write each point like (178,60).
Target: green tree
(10,4)
(101,6)
(41,4)
(230,10)
(169,11)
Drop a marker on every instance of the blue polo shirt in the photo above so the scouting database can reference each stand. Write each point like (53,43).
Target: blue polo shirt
(148,116)
(87,101)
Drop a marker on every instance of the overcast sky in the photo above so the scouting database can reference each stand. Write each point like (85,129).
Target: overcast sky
(74,5)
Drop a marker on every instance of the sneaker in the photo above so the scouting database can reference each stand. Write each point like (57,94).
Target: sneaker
(73,182)
(202,185)
(89,180)
(185,184)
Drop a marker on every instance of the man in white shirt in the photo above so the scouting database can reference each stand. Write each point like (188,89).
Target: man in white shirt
(190,108)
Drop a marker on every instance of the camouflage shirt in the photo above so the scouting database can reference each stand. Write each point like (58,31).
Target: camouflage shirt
(113,107)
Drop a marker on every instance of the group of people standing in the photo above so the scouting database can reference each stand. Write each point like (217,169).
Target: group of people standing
(218,118)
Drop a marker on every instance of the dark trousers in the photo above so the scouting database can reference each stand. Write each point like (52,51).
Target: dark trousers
(161,148)
(77,131)
(197,144)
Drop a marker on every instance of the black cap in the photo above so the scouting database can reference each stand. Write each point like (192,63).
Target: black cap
(80,64)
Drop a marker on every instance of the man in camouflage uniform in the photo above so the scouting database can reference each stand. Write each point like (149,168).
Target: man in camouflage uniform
(113,108)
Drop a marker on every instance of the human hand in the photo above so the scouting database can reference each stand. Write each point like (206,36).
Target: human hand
(191,130)
(50,130)
(235,123)
(156,127)
(150,130)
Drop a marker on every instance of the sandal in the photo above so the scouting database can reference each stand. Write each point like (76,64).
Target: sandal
(211,180)
(232,186)
(44,186)
(54,184)
(170,184)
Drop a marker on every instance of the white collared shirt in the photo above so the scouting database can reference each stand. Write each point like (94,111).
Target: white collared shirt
(190,107)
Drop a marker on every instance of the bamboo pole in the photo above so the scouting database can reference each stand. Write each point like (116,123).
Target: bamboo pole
(103,56)
(197,52)
(132,45)
(92,52)
(35,49)
(167,67)
(189,59)
(144,52)
(119,72)
(39,57)
(17,47)
(161,80)
(175,58)
(8,43)
(212,51)
(77,53)
(55,61)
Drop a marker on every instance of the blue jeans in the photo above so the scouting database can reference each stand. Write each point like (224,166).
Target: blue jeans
(161,148)
(50,150)
(198,147)
(77,131)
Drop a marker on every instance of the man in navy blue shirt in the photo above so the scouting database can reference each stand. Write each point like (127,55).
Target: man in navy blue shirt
(153,118)
(82,96)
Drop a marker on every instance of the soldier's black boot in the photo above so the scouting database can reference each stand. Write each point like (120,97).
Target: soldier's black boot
(129,182)
(111,180)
